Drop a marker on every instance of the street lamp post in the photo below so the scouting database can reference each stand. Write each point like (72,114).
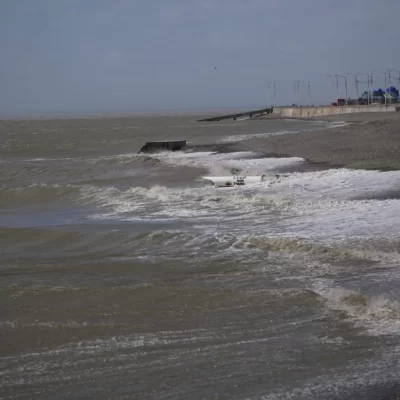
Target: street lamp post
(398,79)
(334,79)
(273,85)
(269,93)
(372,86)
(369,81)
(309,93)
(296,91)
(355,82)
(345,84)
(385,75)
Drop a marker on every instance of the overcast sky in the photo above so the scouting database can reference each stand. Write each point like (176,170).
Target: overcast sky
(86,56)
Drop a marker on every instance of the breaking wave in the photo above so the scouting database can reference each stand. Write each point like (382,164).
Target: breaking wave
(379,314)
(297,246)
(175,203)
(244,162)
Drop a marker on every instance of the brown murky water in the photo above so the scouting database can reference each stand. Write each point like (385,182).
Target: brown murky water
(130,276)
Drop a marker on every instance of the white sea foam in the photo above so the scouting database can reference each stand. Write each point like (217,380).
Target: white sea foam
(248,163)
(357,379)
(338,124)
(378,314)
(324,202)
(320,203)
(342,184)
(326,205)
(245,136)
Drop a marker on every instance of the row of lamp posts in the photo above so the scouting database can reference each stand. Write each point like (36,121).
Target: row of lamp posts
(336,79)
(370,81)
(296,91)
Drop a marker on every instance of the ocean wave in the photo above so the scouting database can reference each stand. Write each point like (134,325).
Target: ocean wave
(378,314)
(313,205)
(245,162)
(36,194)
(175,243)
(285,245)
(176,203)
(46,243)
(246,136)
(314,213)
(75,170)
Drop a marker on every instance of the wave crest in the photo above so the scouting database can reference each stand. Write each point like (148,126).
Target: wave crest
(379,314)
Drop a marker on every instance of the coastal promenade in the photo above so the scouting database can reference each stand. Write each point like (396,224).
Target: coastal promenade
(304,112)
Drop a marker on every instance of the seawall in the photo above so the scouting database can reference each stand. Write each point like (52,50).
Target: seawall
(303,112)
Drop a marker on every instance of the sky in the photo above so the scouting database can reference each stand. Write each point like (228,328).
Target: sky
(118,56)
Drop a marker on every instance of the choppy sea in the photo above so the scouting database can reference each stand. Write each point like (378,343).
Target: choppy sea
(129,276)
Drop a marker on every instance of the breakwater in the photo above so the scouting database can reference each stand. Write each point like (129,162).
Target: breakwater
(246,114)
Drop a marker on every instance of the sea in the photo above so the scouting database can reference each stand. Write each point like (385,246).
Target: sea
(128,275)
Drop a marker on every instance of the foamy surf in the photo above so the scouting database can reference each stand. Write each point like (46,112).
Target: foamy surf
(122,257)
(245,163)
(377,314)
(324,204)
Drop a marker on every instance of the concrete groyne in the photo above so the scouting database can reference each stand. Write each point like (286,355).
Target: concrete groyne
(304,112)
(248,114)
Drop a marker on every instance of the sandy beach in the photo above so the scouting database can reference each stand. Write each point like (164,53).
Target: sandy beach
(368,141)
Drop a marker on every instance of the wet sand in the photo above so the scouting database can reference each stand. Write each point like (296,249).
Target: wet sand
(370,141)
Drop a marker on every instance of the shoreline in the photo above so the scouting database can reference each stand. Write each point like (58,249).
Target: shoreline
(369,141)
